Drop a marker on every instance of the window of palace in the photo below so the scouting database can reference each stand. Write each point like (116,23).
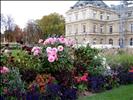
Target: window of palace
(84,28)
(108,16)
(120,42)
(76,16)
(101,15)
(110,29)
(69,17)
(94,14)
(111,41)
(76,28)
(129,14)
(101,41)
(94,41)
(84,14)
(94,28)
(131,42)
(101,28)
(132,28)
(70,29)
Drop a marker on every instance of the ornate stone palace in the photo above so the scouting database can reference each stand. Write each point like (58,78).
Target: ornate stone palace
(94,22)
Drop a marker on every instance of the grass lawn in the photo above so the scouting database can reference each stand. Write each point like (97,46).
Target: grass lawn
(121,93)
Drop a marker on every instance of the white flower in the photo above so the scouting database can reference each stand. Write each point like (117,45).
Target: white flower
(48,49)
(60,48)
(103,62)
(95,57)
(108,67)
(104,59)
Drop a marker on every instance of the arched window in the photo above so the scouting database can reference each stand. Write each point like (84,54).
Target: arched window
(94,41)
(131,41)
(101,41)
(120,42)
(111,41)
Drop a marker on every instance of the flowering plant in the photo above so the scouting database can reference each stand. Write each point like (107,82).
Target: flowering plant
(81,82)
(54,53)
(40,82)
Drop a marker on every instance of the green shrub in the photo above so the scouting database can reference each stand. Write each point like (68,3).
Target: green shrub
(89,59)
(120,60)
(11,82)
(24,61)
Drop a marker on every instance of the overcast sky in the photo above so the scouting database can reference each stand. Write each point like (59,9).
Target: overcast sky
(22,11)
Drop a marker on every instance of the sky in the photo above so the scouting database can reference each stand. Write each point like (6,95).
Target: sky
(22,11)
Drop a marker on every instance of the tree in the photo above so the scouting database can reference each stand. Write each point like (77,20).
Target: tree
(7,25)
(52,24)
(3,23)
(18,34)
(32,32)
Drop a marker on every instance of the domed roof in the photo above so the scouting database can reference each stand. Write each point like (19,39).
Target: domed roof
(99,3)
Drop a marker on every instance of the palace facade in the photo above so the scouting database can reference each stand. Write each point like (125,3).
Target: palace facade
(94,22)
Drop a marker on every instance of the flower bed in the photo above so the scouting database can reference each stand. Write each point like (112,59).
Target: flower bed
(54,69)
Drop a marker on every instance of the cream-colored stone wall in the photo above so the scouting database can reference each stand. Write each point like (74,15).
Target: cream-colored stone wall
(76,26)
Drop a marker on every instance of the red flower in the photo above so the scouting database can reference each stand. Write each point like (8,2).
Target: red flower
(83,78)
(131,71)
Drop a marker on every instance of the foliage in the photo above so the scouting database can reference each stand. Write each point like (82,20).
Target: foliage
(97,66)
(96,83)
(24,61)
(53,23)
(54,70)
(82,87)
(120,60)
(3,59)
(40,83)
(111,81)
(54,54)
(32,32)
(61,92)
(87,59)
(81,82)
(11,82)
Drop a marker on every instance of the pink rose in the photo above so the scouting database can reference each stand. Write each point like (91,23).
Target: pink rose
(54,50)
(61,40)
(40,41)
(4,70)
(51,59)
(69,42)
(35,48)
(46,42)
(36,52)
(60,48)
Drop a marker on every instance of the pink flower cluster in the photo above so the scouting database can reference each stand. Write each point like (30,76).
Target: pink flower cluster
(4,70)
(61,39)
(52,53)
(36,51)
(50,41)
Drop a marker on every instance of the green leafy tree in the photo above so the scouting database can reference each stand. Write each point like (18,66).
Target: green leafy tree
(53,24)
